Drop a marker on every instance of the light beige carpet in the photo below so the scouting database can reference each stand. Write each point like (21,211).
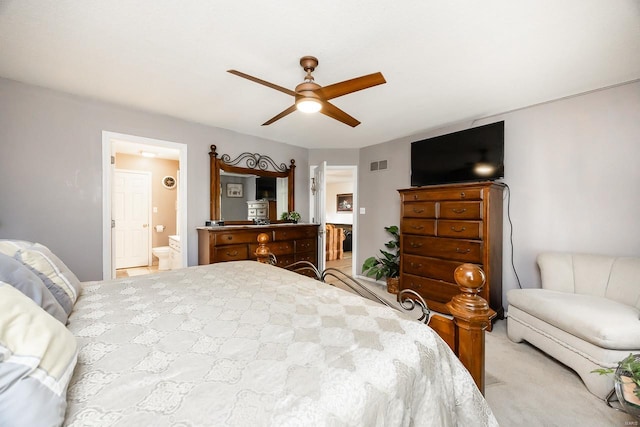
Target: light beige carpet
(525,387)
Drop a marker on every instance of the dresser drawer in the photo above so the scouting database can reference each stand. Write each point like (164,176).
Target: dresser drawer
(307,256)
(436,292)
(236,237)
(460,229)
(460,210)
(443,194)
(231,253)
(281,248)
(453,249)
(424,227)
(294,233)
(432,268)
(419,210)
(285,260)
(305,245)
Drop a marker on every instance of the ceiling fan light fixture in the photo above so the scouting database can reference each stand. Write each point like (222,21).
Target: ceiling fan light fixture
(308,105)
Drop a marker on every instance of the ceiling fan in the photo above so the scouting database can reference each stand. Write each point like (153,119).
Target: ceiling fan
(310,97)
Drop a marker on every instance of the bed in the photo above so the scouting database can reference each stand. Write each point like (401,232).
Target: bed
(236,343)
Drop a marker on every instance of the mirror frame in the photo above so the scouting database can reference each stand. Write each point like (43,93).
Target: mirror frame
(256,164)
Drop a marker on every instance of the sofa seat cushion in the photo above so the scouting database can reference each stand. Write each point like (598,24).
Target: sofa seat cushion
(600,321)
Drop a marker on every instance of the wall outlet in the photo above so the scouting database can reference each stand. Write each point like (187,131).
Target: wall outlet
(363,211)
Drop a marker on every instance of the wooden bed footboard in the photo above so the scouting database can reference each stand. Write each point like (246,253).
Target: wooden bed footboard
(463,330)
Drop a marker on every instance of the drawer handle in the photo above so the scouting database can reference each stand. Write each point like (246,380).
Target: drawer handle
(418,227)
(413,264)
(463,251)
(415,197)
(415,245)
(418,210)
(229,237)
(459,211)
(462,195)
(458,230)
(234,253)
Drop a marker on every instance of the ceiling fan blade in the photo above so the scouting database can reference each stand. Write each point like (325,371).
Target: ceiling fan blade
(328,109)
(262,82)
(349,86)
(281,115)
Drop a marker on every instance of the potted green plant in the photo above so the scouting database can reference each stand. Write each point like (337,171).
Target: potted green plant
(626,382)
(388,264)
(292,216)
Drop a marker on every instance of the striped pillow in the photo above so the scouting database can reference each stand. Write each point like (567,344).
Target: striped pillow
(37,358)
(23,279)
(61,282)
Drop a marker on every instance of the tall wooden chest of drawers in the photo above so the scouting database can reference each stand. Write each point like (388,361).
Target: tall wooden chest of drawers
(443,226)
(289,242)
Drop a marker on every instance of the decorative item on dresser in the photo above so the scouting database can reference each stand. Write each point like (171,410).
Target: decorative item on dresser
(444,226)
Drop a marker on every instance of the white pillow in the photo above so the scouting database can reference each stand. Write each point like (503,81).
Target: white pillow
(37,358)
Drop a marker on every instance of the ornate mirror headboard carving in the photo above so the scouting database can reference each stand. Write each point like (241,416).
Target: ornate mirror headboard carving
(249,165)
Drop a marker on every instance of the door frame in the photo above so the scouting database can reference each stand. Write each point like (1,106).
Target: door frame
(149,210)
(108,264)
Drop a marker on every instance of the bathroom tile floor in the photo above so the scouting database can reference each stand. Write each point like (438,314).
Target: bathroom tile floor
(136,271)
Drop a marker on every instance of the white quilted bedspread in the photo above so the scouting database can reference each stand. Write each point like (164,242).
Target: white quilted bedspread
(247,344)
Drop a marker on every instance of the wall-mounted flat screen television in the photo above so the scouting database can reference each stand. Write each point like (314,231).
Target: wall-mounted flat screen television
(475,154)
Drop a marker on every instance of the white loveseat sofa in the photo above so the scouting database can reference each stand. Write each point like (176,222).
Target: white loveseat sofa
(587,314)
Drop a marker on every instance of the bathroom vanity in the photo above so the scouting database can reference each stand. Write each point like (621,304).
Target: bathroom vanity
(176,252)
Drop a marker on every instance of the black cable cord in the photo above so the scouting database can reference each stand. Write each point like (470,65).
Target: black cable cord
(513,265)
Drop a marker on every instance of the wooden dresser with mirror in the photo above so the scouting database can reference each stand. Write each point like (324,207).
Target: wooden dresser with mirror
(235,196)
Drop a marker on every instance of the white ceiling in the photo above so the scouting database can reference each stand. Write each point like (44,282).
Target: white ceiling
(444,61)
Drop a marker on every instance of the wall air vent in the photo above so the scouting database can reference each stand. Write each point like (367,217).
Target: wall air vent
(378,166)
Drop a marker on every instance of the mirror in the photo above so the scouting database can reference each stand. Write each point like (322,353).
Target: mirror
(242,188)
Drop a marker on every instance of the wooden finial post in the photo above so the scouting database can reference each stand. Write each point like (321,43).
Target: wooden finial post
(263,253)
(472,316)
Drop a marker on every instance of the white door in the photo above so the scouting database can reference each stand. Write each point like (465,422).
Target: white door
(131,195)
(319,212)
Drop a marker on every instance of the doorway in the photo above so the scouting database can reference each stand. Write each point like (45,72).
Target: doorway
(128,234)
(340,191)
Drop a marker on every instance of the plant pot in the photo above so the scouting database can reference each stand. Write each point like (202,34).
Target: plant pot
(393,285)
(625,388)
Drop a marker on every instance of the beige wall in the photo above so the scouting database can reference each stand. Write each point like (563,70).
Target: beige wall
(163,200)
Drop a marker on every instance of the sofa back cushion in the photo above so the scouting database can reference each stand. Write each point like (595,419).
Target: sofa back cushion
(615,278)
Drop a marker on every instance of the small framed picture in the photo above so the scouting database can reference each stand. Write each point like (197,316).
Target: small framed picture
(234,190)
(344,202)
